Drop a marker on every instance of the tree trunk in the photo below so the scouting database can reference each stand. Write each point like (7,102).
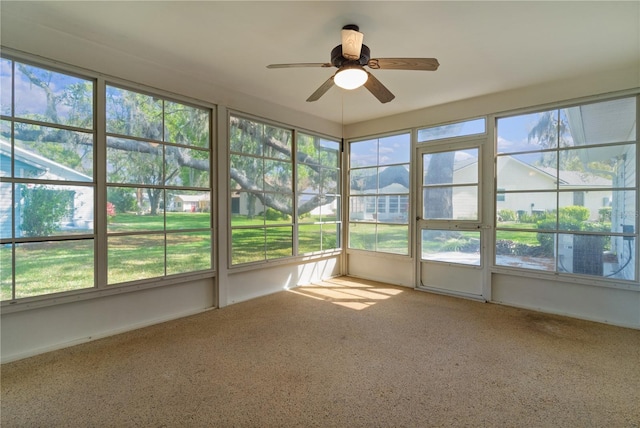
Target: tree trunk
(438,202)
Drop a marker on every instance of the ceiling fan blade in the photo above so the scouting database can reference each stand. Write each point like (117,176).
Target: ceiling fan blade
(378,89)
(351,42)
(301,64)
(426,64)
(321,90)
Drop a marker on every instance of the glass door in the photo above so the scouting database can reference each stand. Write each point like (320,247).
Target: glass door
(450,231)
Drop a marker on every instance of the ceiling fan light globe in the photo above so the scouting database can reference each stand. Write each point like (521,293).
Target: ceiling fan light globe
(350,78)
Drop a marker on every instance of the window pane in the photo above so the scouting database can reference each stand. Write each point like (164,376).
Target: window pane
(330,236)
(362,208)
(537,171)
(6,83)
(188,252)
(308,216)
(394,149)
(134,162)
(528,250)
(453,167)
(279,242)
(460,129)
(247,172)
(330,181)
(136,257)
(186,201)
(277,142)
(528,132)
(247,245)
(619,257)
(188,210)
(6,272)
(5,148)
(52,154)
(601,123)
(593,212)
(246,210)
(53,266)
(308,179)
(245,136)
(278,176)
(450,202)
(593,255)
(523,210)
(282,213)
(330,209)
(605,166)
(130,209)
(36,87)
(363,153)
(329,153)
(393,179)
(364,180)
(133,114)
(309,238)
(186,125)
(396,209)
(451,246)
(362,236)
(6,220)
(393,239)
(49,210)
(184,167)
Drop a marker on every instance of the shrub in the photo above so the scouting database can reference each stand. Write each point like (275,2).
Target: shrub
(576,212)
(604,214)
(274,215)
(507,215)
(44,209)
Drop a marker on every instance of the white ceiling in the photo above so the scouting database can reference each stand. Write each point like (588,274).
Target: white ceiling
(483,47)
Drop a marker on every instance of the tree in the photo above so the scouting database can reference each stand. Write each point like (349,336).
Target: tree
(438,201)
(142,116)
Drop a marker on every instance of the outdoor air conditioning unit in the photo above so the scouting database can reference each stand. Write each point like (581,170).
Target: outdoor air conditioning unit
(581,254)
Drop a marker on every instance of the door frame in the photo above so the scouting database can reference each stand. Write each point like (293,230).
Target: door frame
(481,224)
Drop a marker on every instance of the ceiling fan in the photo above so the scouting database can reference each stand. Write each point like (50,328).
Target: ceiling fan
(351,57)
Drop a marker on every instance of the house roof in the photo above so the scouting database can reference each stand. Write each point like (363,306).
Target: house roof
(49,170)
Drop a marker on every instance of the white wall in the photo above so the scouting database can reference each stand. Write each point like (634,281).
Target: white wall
(596,303)
(34,331)
(387,268)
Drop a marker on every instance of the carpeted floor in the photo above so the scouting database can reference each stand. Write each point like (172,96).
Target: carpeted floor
(343,353)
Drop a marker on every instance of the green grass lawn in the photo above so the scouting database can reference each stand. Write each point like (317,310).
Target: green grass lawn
(50,267)
(528,238)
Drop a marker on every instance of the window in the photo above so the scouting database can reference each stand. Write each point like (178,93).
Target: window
(379,182)
(450,185)
(568,184)
(319,202)
(47,183)
(158,187)
(274,216)
(452,130)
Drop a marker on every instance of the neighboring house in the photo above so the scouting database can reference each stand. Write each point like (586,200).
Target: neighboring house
(29,164)
(391,187)
(190,203)
(514,172)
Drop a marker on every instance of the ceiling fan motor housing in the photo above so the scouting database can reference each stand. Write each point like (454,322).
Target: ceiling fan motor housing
(338,60)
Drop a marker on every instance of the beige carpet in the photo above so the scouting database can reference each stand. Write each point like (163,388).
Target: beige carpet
(344,353)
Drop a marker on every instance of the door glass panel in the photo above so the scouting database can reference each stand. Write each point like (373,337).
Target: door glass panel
(451,246)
